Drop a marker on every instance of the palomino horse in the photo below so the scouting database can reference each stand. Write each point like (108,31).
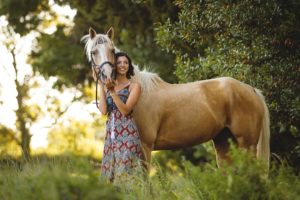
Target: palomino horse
(172,116)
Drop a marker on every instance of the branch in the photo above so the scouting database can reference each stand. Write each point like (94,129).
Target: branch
(62,112)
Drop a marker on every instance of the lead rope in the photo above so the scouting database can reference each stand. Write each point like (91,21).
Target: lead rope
(97,79)
(97,92)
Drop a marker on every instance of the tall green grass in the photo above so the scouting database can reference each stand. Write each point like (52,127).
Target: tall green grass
(247,178)
(54,178)
(77,178)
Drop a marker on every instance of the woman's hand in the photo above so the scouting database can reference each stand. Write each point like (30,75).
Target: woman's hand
(110,85)
(95,75)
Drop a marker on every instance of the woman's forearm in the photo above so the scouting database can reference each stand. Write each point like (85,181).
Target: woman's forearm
(126,108)
(102,100)
(123,108)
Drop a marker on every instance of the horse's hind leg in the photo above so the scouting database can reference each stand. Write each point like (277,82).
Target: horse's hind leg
(221,143)
(246,134)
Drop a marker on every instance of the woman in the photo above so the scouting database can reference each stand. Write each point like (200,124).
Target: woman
(122,149)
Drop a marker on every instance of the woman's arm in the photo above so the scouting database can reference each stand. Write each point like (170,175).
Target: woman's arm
(131,101)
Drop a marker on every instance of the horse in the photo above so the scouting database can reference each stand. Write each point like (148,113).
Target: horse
(172,116)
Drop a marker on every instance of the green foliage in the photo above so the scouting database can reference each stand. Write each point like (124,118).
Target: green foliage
(23,15)
(61,56)
(257,42)
(54,178)
(197,155)
(9,142)
(77,137)
(245,179)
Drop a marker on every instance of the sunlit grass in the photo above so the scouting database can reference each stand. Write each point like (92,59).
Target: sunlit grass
(53,178)
(70,177)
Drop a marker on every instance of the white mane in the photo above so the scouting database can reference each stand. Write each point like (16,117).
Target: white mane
(149,81)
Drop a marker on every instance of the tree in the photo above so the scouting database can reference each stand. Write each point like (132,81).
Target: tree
(25,15)
(26,114)
(257,42)
(26,18)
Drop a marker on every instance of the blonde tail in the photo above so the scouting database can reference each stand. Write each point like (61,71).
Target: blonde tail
(263,146)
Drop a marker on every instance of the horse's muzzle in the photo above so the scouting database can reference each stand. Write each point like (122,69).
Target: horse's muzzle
(101,75)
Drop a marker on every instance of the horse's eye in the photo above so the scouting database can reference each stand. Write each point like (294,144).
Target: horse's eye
(94,52)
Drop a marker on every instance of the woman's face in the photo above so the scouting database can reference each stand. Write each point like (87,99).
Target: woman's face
(122,65)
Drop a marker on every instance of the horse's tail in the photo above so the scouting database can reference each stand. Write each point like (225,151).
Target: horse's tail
(263,146)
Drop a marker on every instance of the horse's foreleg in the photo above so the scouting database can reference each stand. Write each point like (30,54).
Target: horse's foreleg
(146,156)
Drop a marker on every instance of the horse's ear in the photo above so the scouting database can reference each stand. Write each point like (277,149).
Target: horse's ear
(92,33)
(110,33)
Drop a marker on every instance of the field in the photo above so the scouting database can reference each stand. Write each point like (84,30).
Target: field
(70,177)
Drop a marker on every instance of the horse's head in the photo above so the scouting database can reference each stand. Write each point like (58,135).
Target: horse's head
(100,52)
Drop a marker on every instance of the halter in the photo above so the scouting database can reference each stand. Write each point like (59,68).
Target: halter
(100,74)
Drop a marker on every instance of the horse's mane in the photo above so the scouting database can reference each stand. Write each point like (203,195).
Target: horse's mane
(149,81)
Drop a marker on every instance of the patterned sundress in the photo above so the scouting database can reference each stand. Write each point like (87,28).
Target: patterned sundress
(122,148)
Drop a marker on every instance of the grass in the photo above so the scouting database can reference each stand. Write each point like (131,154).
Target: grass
(76,178)
(54,178)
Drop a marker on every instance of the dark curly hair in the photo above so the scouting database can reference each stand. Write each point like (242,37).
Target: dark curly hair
(130,68)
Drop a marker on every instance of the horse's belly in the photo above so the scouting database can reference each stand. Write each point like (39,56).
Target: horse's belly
(173,143)
(186,134)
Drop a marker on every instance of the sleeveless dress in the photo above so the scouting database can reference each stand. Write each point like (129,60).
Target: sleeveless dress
(122,148)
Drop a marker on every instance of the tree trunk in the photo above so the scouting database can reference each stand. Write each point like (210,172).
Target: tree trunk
(21,121)
(25,135)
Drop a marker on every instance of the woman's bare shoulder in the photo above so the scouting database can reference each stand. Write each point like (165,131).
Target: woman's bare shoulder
(135,86)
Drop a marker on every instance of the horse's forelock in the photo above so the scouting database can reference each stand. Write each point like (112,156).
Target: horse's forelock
(89,43)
